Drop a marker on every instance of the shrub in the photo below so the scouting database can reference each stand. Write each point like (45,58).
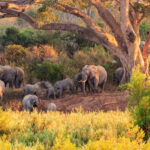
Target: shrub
(11,36)
(15,54)
(139,100)
(48,71)
(41,52)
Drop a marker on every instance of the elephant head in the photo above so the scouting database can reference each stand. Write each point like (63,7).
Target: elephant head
(34,101)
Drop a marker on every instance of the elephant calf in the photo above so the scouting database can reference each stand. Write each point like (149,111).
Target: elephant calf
(31,88)
(63,85)
(51,107)
(50,92)
(29,102)
(2,87)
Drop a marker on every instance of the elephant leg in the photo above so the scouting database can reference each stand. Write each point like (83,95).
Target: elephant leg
(76,87)
(103,85)
(83,87)
(61,92)
(71,89)
(91,86)
(10,84)
(96,85)
(54,95)
(47,94)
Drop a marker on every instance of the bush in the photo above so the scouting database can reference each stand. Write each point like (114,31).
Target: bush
(15,55)
(48,71)
(11,36)
(41,52)
(139,100)
(144,28)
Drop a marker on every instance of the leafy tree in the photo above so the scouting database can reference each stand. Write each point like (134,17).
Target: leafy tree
(123,38)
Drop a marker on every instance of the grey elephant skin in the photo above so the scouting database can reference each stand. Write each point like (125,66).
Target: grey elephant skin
(62,85)
(2,88)
(51,107)
(31,89)
(119,74)
(29,102)
(13,76)
(78,82)
(50,92)
(95,75)
(19,77)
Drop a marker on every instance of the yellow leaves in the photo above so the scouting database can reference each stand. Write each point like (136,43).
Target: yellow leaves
(5,145)
(93,131)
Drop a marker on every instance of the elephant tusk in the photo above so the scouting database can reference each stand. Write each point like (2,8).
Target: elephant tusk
(82,81)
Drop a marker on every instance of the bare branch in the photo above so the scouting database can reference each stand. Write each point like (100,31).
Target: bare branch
(6,16)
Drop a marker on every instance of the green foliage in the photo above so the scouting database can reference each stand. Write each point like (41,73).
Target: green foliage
(15,54)
(26,37)
(47,71)
(144,28)
(139,100)
(10,36)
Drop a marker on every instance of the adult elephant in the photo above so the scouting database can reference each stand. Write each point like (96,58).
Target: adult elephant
(11,75)
(95,75)
(7,75)
(19,77)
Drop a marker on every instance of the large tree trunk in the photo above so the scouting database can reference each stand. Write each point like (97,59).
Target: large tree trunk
(133,59)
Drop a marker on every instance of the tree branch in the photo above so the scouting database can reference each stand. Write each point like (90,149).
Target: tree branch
(88,21)
(111,22)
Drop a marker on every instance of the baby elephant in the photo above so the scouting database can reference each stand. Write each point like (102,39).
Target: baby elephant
(31,88)
(51,107)
(29,102)
(62,85)
(50,92)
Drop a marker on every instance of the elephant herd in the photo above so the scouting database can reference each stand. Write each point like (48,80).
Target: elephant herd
(89,79)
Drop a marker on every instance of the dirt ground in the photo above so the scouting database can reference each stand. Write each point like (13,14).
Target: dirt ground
(106,101)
